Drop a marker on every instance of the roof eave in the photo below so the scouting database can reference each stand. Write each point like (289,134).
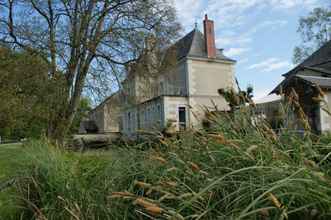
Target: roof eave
(211,59)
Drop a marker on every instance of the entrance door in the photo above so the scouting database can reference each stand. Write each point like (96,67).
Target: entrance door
(182,118)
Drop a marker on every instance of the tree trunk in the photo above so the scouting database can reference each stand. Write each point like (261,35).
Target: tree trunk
(60,124)
(59,129)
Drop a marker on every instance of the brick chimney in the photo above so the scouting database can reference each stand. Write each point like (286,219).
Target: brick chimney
(208,26)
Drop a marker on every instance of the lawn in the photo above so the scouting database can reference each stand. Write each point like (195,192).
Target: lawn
(16,161)
(10,157)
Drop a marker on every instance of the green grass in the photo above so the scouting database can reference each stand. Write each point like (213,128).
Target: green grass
(236,170)
(11,156)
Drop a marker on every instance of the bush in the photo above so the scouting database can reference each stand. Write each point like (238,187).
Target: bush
(236,170)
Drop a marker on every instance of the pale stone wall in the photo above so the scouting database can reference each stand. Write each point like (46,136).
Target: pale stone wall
(154,115)
(98,117)
(148,116)
(143,87)
(325,118)
(171,106)
(174,82)
(129,117)
(205,78)
(151,115)
(106,115)
(112,112)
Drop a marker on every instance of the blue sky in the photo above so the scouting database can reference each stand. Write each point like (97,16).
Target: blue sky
(259,34)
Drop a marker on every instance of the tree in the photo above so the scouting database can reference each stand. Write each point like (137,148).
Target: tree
(76,37)
(315,30)
(25,94)
(82,112)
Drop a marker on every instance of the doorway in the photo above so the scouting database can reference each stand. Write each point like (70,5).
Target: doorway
(182,118)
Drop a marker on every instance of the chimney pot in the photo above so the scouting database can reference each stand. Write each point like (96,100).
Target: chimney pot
(209,33)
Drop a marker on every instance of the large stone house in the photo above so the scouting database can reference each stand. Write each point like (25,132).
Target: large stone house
(177,96)
(308,79)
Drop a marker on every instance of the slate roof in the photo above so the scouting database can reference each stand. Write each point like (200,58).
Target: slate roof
(323,82)
(315,63)
(315,80)
(321,56)
(193,45)
(317,69)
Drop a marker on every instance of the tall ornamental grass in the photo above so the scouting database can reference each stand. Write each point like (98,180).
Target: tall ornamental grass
(238,169)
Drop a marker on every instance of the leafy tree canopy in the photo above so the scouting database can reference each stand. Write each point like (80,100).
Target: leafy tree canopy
(24,94)
(315,30)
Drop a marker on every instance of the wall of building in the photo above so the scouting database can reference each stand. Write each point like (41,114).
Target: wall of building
(151,115)
(154,115)
(97,115)
(112,112)
(143,87)
(147,116)
(173,82)
(171,107)
(106,116)
(205,78)
(129,122)
(325,117)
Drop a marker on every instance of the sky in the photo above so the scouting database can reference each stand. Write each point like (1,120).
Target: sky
(259,34)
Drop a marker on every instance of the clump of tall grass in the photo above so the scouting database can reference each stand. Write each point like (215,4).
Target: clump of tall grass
(235,170)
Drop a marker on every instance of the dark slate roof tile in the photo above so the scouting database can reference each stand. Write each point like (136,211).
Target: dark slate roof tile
(323,82)
(193,45)
(318,58)
(319,61)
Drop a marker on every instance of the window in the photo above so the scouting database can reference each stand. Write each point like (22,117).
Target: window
(182,118)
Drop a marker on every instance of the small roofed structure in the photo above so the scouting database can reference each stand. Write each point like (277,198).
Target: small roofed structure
(311,82)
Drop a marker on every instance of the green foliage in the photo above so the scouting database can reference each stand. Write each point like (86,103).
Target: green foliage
(26,94)
(239,170)
(21,77)
(315,30)
(82,112)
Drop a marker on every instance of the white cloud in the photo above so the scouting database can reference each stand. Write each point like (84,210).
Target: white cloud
(224,41)
(271,64)
(236,51)
(188,11)
(270,24)
(288,4)
(230,13)
(231,38)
